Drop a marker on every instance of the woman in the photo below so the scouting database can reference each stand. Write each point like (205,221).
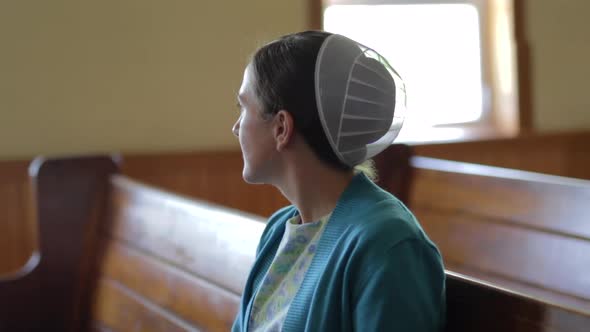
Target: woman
(346,255)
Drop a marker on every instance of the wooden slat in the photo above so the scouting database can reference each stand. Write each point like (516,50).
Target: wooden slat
(523,198)
(214,243)
(528,256)
(191,298)
(119,309)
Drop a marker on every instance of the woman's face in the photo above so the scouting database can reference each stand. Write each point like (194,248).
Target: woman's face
(254,133)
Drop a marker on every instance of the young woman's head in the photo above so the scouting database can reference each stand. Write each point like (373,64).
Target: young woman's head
(280,77)
(285,72)
(279,84)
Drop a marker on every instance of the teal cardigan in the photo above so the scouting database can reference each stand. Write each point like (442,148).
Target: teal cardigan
(374,269)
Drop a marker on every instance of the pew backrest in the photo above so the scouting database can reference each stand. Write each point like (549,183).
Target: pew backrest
(171,262)
(117,255)
(525,231)
(46,294)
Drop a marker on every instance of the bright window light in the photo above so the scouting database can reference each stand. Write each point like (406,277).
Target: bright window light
(434,47)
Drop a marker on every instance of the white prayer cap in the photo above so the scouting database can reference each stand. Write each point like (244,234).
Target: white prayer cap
(361,99)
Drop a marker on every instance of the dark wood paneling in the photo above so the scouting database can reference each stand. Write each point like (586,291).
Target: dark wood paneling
(565,154)
(212,176)
(17,226)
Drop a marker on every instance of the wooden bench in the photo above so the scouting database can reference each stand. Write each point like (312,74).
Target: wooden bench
(526,232)
(117,255)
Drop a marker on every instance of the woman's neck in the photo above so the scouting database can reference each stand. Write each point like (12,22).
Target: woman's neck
(314,189)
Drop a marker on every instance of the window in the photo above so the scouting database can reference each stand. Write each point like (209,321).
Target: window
(443,52)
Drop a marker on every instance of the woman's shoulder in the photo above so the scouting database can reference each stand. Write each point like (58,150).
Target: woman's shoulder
(387,221)
(386,232)
(380,221)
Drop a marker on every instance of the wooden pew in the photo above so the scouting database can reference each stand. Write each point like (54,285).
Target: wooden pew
(173,262)
(526,232)
(69,196)
(117,255)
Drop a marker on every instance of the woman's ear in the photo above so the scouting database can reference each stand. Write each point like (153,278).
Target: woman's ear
(284,129)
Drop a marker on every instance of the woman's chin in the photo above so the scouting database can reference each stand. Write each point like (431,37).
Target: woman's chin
(248,176)
(252,177)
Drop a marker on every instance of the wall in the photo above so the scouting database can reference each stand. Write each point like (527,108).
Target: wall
(145,76)
(131,75)
(560,47)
